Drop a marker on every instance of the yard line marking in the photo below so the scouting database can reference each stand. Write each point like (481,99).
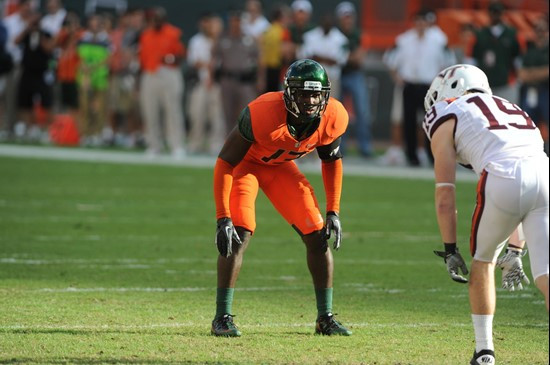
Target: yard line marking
(396,235)
(124,238)
(183,260)
(88,207)
(96,219)
(122,327)
(119,290)
(159,290)
(356,287)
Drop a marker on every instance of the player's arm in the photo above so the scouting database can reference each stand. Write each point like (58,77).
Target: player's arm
(444,152)
(332,171)
(443,149)
(233,151)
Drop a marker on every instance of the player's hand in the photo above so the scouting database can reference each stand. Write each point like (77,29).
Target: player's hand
(333,224)
(454,262)
(512,269)
(225,235)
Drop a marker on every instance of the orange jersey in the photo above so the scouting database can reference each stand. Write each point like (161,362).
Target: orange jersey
(155,44)
(273,143)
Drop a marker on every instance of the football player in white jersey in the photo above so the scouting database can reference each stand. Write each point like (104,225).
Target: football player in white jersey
(498,140)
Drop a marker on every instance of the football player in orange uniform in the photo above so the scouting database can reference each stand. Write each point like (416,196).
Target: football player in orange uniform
(273,131)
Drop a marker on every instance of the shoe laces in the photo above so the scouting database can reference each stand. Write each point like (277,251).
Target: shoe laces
(226,321)
(329,320)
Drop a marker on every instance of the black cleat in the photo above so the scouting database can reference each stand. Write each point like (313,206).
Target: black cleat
(484,357)
(224,326)
(326,325)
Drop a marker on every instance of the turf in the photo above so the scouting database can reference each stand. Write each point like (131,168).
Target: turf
(114,263)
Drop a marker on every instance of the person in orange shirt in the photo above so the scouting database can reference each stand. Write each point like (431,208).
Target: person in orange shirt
(68,63)
(271,132)
(161,53)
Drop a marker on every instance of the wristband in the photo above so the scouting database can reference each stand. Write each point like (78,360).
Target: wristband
(514,247)
(450,248)
(515,250)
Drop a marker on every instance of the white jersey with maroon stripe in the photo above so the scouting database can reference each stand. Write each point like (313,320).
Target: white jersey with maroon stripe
(491,133)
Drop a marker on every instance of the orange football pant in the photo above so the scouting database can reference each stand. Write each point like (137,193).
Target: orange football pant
(284,185)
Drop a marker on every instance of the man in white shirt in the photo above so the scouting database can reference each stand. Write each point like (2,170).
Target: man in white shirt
(327,45)
(15,24)
(205,101)
(53,20)
(253,22)
(419,55)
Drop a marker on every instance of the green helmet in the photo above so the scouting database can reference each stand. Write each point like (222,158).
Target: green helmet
(306,76)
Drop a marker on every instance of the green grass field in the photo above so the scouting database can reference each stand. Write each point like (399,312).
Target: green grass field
(113,263)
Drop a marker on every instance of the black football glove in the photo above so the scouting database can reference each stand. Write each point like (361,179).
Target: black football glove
(225,235)
(454,262)
(333,224)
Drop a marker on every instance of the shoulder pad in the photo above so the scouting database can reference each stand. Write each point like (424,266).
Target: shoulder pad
(337,119)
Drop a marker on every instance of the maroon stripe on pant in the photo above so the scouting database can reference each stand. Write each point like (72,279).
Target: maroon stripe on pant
(480,205)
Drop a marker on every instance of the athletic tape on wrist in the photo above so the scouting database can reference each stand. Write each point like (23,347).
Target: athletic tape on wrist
(440,185)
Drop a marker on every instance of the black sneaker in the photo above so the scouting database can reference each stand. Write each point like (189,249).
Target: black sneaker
(484,357)
(224,326)
(326,325)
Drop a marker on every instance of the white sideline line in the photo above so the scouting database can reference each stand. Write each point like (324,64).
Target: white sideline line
(353,166)
(134,263)
(82,154)
(503,294)
(365,288)
(123,327)
(371,235)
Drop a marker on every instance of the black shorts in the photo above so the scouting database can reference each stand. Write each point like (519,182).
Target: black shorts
(32,87)
(69,94)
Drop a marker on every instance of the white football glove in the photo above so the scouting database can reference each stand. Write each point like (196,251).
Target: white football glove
(454,262)
(512,269)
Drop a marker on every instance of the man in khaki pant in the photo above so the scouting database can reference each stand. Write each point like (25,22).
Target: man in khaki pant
(205,99)
(162,85)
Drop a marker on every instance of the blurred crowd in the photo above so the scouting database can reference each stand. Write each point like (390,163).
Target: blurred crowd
(126,79)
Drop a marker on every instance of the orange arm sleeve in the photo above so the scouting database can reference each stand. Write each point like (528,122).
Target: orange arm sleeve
(223,179)
(332,179)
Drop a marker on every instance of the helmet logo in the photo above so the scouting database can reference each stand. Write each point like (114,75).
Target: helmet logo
(456,81)
(313,85)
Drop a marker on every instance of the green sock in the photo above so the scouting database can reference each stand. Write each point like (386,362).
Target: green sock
(224,301)
(324,300)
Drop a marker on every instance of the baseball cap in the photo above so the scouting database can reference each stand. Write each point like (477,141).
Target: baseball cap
(345,8)
(302,5)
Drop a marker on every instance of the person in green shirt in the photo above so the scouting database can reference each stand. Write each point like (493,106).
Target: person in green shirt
(533,74)
(93,50)
(354,82)
(495,50)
